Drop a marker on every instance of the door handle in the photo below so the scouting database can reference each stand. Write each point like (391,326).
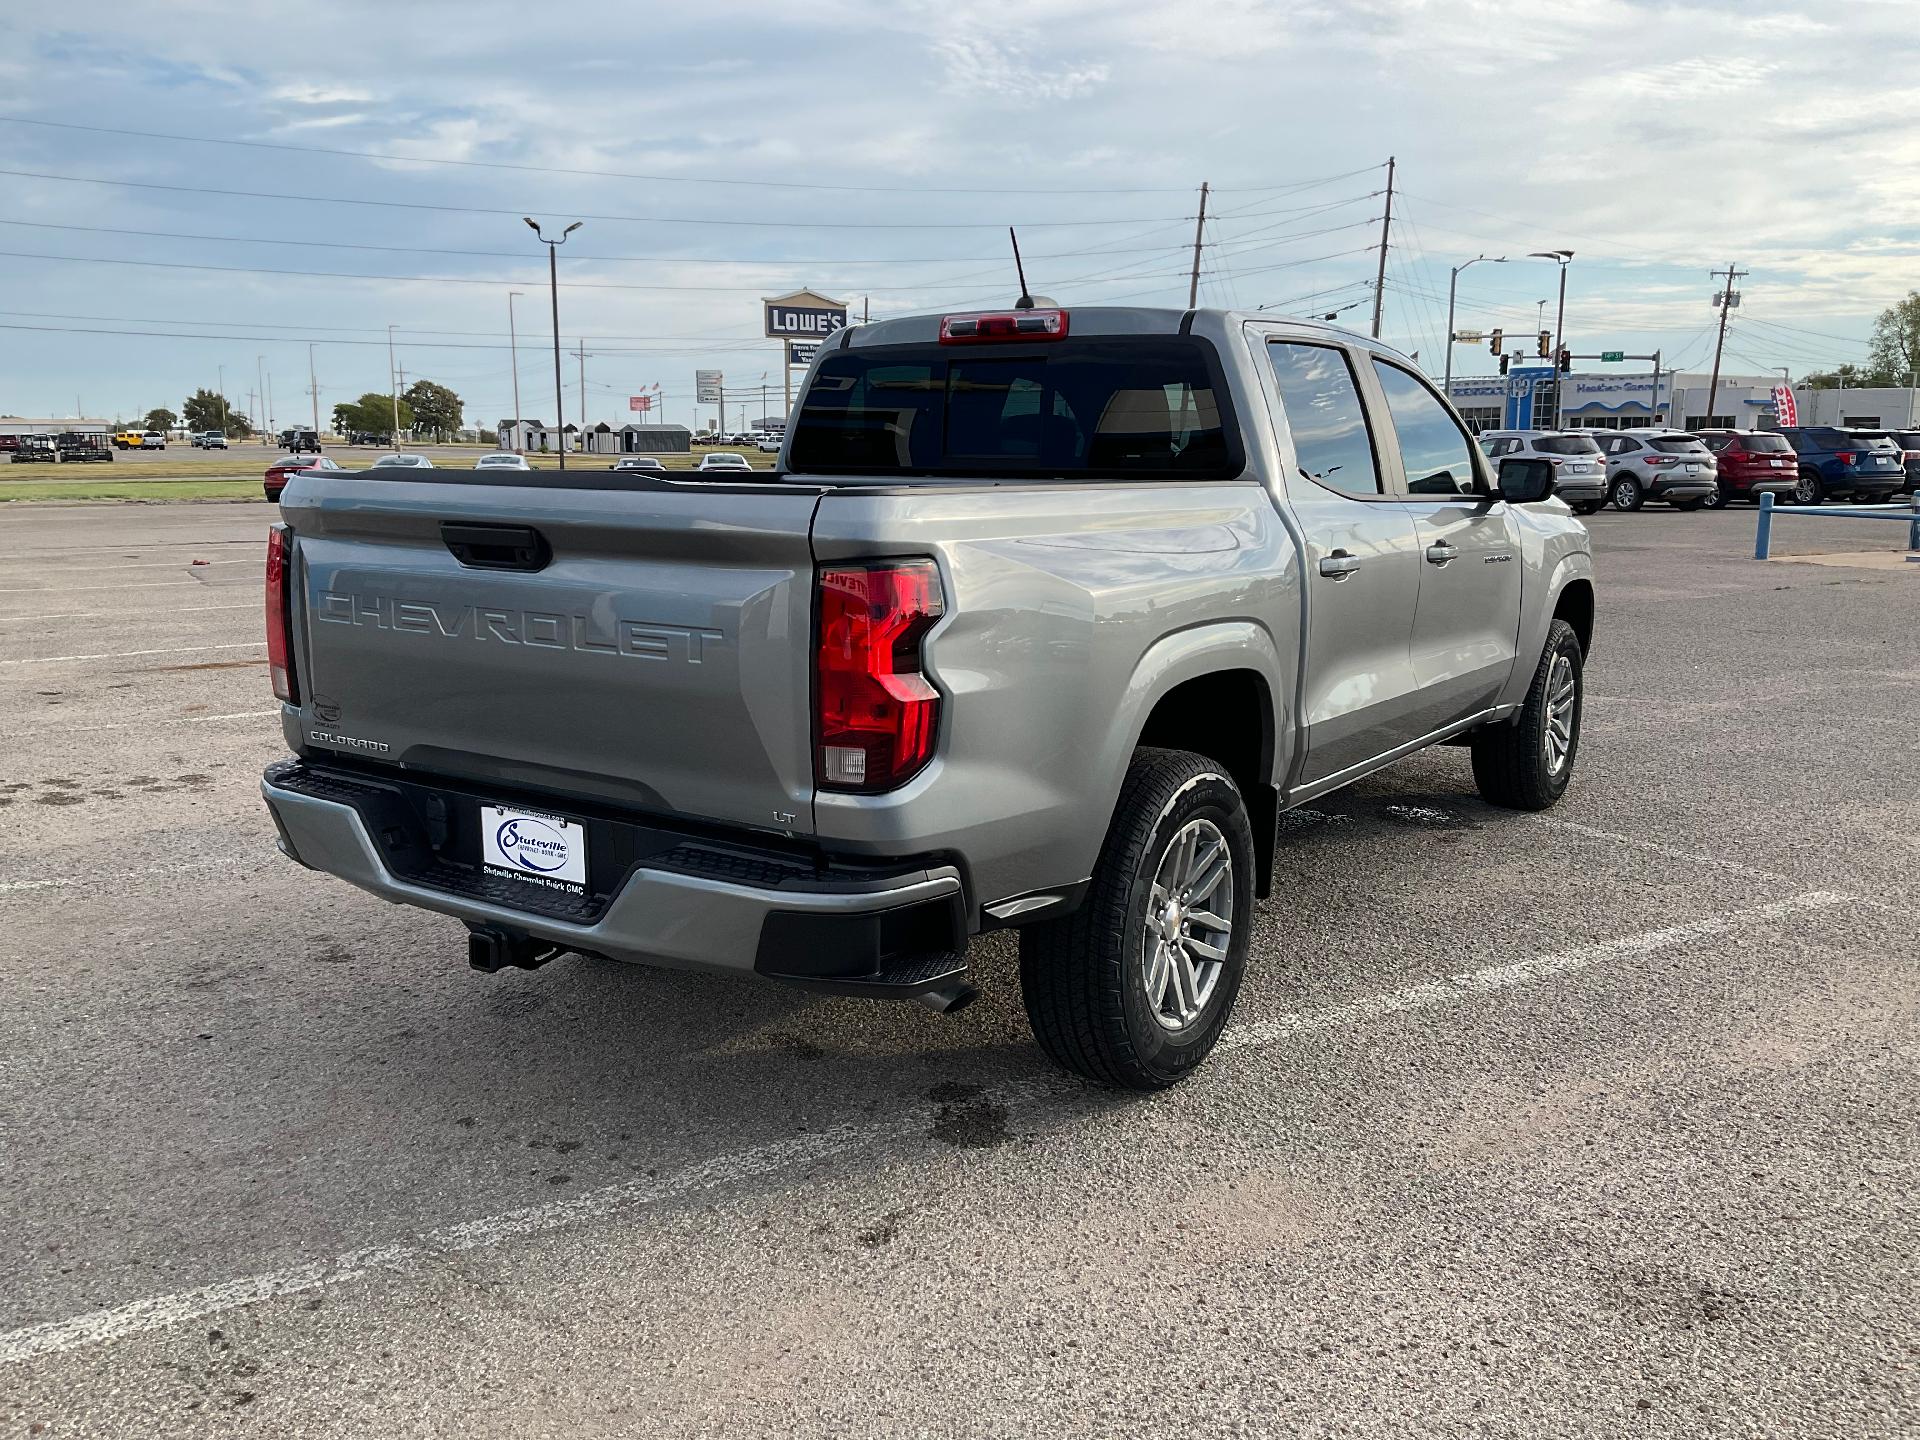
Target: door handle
(1440,552)
(1339,565)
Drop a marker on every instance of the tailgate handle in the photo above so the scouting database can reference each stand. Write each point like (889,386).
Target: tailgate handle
(497,547)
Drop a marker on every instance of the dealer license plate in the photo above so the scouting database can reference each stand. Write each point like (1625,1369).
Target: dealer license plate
(534,846)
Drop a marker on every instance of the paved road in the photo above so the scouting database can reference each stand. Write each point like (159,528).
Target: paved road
(1601,1123)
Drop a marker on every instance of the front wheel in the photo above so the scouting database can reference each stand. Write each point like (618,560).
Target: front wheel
(1133,989)
(1526,763)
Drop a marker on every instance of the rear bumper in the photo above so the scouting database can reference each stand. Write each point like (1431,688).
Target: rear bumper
(897,933)
(1581,487)
(1677,487)
(1876,482)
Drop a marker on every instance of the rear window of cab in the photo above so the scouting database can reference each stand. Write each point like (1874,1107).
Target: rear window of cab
(1127,407)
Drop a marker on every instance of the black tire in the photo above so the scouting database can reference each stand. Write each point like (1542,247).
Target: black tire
(1718,499)
(1588,507)
(1510,761)
(1085,977)
(1688,504)
(1627,493)
(1809,491)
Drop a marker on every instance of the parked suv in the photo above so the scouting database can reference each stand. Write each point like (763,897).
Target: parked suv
(1579,469)
(1668,465)
(1838,464)
(210,440)
(1752,463)
(1046,619)
(1909,443)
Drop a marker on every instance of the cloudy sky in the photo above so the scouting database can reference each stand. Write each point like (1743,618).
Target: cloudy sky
(876,153)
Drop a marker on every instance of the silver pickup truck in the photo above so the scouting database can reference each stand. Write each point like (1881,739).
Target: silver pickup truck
(1042,621)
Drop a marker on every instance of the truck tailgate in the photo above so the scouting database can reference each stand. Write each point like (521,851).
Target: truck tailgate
(651,649)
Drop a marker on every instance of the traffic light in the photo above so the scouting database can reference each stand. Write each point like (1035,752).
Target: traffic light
(1494,340)
(1566,361)
(1503,364)
(1543,347)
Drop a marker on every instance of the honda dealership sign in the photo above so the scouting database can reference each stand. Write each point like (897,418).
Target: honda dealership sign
(803,315)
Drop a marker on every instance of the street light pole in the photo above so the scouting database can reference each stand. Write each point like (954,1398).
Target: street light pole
(1453,282)
(313,389)
(513,345)
(553,290)
(1560,257)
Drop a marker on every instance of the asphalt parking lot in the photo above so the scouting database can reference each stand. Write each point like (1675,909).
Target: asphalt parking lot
(1596,1123)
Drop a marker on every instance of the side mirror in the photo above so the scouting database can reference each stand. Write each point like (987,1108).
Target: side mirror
(1522,482)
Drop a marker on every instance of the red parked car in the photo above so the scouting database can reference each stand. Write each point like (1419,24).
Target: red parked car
(1753,463)
(286,465)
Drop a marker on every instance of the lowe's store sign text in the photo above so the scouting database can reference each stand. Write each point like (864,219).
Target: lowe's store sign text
(804,322)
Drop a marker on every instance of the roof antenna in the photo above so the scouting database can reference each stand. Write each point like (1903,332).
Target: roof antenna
(1025,302)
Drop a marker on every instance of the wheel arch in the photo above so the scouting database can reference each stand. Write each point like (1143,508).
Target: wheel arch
(1214,690)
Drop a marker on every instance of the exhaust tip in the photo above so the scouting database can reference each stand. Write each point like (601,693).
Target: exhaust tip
(949,998)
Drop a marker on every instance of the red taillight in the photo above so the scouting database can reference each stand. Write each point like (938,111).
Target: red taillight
(1845,457)
(876,709)
(992,327)
(280,614)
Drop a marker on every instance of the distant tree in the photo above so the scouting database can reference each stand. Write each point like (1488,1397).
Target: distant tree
(489,437)
(372,413)
(162,420)
(207,410)
(1894,351)
(435,407)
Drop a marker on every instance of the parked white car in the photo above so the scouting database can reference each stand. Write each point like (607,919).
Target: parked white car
(767,444)
(723,460)
(403,462)
(502,460)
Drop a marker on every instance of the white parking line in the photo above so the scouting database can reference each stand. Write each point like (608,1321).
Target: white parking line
(129,654)
(182,720)
(157,1312)
(143,585)
(108,614)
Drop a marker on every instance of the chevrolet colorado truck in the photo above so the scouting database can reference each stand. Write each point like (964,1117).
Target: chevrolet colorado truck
(1043,619)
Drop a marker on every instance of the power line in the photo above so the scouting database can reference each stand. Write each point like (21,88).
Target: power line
(662,179)
(426,279)
(617,219)
(521,254)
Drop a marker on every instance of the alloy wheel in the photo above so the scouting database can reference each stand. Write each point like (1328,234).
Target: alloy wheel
(1189,926)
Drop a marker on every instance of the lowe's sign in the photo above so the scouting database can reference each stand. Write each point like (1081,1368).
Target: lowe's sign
(803,315)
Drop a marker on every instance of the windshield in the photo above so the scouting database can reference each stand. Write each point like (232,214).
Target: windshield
(1133,406)
(1566,445)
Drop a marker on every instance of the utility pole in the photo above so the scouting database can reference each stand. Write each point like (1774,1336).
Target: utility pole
(220,388)
(313,389)
(270,424)
(1386,229)
(1725,300)
(580,352)
(513,346)
(393,387)
(259,390)
(1199,228)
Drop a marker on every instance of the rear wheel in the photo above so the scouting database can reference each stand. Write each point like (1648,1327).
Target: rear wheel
(1526,763)
(1134,988)
(1809,491)
(1627,494)
(1718,499)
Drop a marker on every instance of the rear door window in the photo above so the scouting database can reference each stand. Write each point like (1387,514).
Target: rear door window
(1132,408)
(1331,442)
(1434,451)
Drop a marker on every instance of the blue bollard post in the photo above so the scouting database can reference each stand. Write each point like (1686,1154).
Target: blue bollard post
(1913,525)
(1764,536)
